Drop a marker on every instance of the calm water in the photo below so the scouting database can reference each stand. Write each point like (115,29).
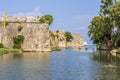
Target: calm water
(60,65)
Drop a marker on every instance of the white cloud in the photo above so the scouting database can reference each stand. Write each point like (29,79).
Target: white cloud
(34,12)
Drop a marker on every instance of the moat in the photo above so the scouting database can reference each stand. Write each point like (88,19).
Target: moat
(67,64)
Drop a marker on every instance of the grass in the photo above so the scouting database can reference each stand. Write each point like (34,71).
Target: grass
(55,49)
(9,50)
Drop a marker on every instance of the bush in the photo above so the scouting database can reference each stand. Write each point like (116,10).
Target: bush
(46,18)
(1,45)
(68,36)
(20,28)
(52,35)
(6,24)
(17,46)
(118,51)
(18,40)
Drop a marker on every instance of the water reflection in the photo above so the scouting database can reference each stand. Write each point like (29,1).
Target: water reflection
(26,66)
(67,64)
(86,48)
(105,57)
(109,65)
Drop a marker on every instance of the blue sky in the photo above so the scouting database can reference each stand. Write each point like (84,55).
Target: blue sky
(69,15)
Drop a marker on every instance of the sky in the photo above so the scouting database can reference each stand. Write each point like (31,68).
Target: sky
(69,15)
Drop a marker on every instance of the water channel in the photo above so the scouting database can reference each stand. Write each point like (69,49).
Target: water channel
(68,64)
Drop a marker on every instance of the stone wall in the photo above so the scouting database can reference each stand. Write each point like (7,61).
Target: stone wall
(36,35)
(77,40)
(58,39)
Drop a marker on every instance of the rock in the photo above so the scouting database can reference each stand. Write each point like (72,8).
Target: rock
(113,52)
(110,66)
(58,39)
(77,40)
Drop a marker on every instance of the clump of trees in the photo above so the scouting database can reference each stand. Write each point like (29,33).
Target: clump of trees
(105,29)
(18,40)
(68,36)
(46,19)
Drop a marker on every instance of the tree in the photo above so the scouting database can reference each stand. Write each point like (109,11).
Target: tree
(102,27)
(105,5)
(68,36)
(114,13)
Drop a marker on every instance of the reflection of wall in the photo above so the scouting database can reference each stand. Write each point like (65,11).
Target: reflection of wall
(40,57)
(27,66)
(12,68)
(36,65)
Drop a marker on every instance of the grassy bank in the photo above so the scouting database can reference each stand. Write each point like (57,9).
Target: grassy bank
(9,50)
(55,49)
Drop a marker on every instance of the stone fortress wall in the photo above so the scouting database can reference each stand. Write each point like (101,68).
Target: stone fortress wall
(36,34)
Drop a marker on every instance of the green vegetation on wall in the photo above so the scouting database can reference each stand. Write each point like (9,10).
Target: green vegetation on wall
(4,24)
(68,36)
(1,45)
(18,40)
(46,19)
(20,28)
(52,35)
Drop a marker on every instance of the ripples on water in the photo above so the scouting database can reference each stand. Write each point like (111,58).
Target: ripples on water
(68,64)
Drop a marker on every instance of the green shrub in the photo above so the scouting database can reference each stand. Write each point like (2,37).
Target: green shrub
(46,18)
(118,51)
(6,23)
(1,45)
(68,36)
(17,46)
(18,40)
(20,28)
(52,35)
